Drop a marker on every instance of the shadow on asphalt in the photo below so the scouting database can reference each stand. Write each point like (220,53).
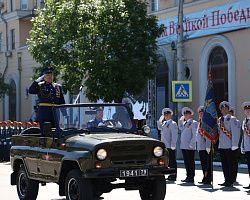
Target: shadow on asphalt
(229,189)
(186,184)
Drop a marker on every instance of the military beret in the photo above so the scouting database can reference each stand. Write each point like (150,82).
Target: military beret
(48,70)
(187,110)
(166,111)
(200,109)
(245,105)
(224,104)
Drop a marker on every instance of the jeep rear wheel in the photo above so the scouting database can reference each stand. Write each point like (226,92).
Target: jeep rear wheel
(27,189)
(78,188)
(154,189)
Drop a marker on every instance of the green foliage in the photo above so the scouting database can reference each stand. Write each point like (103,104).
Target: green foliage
(113,45)
(4,87)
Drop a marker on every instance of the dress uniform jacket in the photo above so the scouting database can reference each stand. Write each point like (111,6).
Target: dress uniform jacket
(245,145)
(49,94)
(188,134)
(169,133)
(202,141)
(232,127)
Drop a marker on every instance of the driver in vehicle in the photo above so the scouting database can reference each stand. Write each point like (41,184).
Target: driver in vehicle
(98,120)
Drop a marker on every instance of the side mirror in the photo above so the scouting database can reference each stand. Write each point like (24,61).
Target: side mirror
(47,129)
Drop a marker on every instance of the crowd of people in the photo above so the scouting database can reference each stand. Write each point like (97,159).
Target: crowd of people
(233,136)
(7,130)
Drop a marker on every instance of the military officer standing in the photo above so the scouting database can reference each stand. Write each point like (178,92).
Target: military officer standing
(169,135)
(245,145)
(49,95)
(228,131)
(188,142)
(204,149)
(236,139)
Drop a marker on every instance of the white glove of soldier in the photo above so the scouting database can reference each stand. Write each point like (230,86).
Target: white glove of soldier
(40,79)
(208,150)
(173,148)
(234,148)
(242,151)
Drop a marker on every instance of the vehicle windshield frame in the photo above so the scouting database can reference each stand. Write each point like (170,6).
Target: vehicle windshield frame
(63,132)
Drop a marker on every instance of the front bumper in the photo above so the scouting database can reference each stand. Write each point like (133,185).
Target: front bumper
(115,172)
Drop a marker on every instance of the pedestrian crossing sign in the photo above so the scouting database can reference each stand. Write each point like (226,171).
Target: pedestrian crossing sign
(182,91)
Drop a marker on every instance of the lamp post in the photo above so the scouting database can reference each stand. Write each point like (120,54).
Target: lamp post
(180,50)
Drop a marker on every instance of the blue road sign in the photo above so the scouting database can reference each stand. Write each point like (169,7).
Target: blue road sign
(182,91)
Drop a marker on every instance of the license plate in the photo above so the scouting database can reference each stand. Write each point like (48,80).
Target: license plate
(133,172)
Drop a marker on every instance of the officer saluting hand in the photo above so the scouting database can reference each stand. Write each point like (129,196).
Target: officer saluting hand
(49,95)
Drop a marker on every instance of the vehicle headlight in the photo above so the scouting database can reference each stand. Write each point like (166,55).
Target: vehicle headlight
(158,151)
(146,129)
(101,154)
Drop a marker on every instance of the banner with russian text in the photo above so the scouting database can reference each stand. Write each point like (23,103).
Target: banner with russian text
(228,17)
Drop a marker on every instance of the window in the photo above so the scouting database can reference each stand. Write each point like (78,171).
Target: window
(1,42)
(12,39)
(218,62)
(24,5)
(11,5)
(162,86)
(153,5)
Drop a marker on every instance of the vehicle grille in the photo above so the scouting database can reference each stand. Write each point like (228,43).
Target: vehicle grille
(129,155)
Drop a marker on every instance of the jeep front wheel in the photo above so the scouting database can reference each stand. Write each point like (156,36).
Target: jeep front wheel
(27,189)
(77,187)
(154,189)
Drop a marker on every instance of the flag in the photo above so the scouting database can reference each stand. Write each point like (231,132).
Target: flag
(209,126)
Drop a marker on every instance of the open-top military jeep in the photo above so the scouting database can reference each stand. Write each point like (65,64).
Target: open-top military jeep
(87,159)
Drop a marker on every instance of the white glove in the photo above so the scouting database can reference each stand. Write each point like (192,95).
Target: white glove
(234,148)
(242,151)
(40,79)
(208,150)
(173,148)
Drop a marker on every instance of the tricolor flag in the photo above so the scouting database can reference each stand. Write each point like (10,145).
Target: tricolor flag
(209,126)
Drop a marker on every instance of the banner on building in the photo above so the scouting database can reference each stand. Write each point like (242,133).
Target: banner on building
(219,19)
(181,91)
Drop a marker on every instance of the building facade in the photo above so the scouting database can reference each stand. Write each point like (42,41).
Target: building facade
(216,37)
(16,63)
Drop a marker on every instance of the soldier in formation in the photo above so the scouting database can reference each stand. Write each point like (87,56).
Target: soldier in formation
(169,135)
(204,149)
(245,145)
(188,128)
(7,130)
(228,142)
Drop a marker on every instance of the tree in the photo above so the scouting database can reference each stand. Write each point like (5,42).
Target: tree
(109,44)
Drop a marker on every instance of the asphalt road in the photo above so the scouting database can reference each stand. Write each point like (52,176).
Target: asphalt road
(175,190)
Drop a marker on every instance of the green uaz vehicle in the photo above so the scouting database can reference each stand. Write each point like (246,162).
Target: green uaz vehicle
(87,156)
